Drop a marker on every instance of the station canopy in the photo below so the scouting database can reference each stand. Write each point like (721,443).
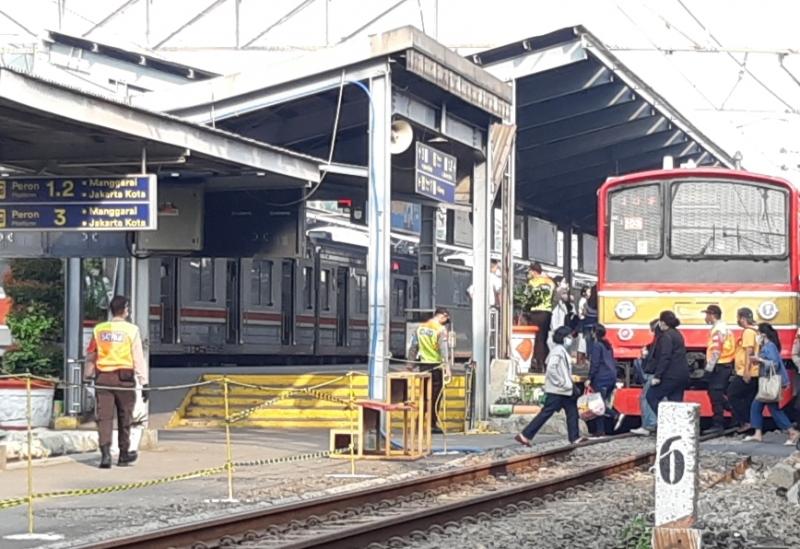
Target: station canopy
(51,129)
(582,116)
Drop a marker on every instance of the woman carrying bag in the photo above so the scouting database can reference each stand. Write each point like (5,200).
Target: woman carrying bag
(772,378)
(602,379)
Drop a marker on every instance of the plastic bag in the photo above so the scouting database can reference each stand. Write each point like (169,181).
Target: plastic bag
(591,405)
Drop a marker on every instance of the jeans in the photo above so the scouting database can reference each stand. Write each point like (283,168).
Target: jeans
(778,415)
(648,415)
(717,389)
(671,389)
(552,404)
(603,425)
(741,394)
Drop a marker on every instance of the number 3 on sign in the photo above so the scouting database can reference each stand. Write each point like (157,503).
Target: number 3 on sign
(61,216)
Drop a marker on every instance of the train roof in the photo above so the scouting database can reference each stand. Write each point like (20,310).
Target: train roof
(715,174)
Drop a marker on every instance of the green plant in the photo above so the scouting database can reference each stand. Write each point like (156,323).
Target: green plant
(36,290)
(637,534)
(95,290)
(527,297)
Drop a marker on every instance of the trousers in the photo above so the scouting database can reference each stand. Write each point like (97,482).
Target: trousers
(110,401)
(717,391)
(552,404)
(648,415)
(741,394)
(778,416)
(671,389)
(540,319)
(437,381)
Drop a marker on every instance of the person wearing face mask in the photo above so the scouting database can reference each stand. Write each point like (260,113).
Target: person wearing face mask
(720,353)
(769,355)
(671,373)
(602,379)
(560,391)
(561,312)
(648,366)
(743,385)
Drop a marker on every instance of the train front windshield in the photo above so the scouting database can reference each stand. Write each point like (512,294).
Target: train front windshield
(698,230)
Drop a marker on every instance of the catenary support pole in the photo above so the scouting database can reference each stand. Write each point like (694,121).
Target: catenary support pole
(379,221)
(481,242)
(427,259)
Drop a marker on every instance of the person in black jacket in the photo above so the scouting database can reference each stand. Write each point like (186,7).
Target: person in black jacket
(671,374)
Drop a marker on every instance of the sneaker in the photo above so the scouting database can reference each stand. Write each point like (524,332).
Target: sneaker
(618,424)
(752,438)
(641,431)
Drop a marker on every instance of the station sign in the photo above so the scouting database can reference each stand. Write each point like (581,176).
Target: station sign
(435,174)
(98,203)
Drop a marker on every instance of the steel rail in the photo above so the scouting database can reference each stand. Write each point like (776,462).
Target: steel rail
(235,524)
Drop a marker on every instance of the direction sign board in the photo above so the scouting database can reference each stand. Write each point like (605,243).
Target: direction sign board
(435,174)
(102,203)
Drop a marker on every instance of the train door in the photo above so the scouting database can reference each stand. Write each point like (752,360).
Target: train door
(168,299)
(233,313)
(342,305)
(287,302)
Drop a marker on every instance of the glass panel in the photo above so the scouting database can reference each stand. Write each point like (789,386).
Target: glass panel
(726,219)
(635,222)
(308,287)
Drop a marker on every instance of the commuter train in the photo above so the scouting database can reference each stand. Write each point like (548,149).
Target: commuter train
(311,310)
(684,239)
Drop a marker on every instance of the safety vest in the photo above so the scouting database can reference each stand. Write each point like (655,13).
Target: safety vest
(428,335)
(114,340)
(546,286)
(728,348)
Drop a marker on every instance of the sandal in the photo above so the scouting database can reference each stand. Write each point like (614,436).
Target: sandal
(751,438)
(522,440)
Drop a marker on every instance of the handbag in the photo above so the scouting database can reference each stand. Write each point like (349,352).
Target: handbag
(769,386)
(591,405)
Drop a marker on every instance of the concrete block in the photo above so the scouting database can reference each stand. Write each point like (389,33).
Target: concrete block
(3,460)
(793,494)
(783,475)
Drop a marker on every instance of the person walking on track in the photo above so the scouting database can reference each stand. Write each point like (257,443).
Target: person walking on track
(429,346)
(720,353)
(560,391)
(115,358)
(541,309)
(743,385)
(671,373)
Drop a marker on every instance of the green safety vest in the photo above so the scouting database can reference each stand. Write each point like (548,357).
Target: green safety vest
(428,335)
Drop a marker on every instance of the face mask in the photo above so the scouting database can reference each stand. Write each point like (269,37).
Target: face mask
(567,341)
(762,339)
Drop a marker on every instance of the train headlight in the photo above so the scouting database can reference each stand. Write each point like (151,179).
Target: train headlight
(625,334)
(768,310)
(624,310)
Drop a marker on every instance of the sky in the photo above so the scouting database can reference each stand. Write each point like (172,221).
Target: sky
(732,67)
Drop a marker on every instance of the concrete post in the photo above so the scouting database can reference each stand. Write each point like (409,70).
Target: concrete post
(73,336)
(379,208)
(482,235)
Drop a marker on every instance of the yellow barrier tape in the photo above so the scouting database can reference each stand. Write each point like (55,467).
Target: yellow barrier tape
(15,502)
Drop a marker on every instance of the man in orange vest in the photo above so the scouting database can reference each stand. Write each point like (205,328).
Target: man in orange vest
(115,358)
(720,354)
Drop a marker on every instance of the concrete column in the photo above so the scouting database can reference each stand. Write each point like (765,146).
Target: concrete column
(73,335)
(482,235)
(427,259)
(379,209)
(507,263)
(140,300)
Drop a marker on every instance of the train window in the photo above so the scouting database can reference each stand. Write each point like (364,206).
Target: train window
(362,297)
(261,282)
(399,292)
(728,219)
(201,279)
(325,290)
(308,287)
(635,222)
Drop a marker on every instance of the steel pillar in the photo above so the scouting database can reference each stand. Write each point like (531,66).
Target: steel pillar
(427,259)
(568,255)
(73,336)
(379,207)
(481,242)
(140,301)
(507,263)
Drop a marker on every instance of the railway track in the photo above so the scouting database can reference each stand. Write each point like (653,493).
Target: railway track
(377,514)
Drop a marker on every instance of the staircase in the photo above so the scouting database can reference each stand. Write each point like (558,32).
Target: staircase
(204,406)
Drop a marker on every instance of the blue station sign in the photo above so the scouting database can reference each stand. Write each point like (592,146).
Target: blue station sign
(435,174)
(102,203)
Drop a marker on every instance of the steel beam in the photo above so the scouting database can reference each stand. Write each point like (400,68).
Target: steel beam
(577,104)
(87,110)
(73,336)
(427,259)
(481,242)
(561,81)
(580,125)
(436,120)
(538,61)
(379,209)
